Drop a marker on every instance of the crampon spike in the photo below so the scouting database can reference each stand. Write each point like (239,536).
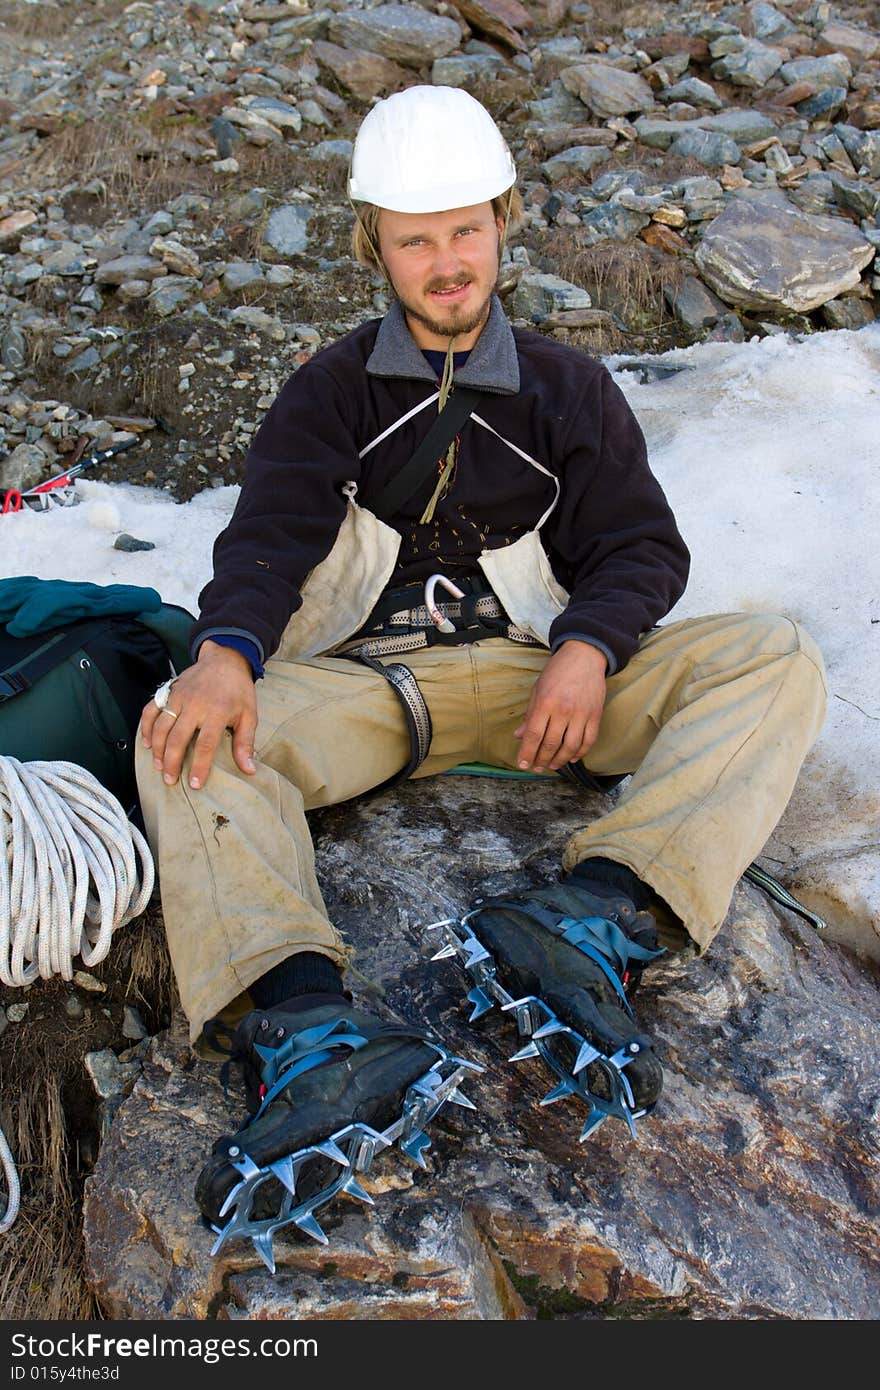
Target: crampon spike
(307,1223)
(481,1002)
(530,1050)
(459,1098)
(586,1055)
(415,1147)
(263,1245)
(565,1088)
(332,1150)
(354,1189)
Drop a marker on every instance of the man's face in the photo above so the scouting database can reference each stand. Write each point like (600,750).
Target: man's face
(443,267)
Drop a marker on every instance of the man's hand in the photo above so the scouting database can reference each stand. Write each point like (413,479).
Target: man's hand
(562,720)
(214,695)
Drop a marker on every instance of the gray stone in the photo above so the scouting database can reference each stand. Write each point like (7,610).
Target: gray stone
(160,224)
(692,89)
(768,21)
(863,148)
(744,62)
(133,1026)
(727,329)
(69,259)
(179,259)
(768,1044)
(123,268)
(858,44)
(763,253)
(312,113)
(287,229)
(855,196)
(606,90)
(848,312)
(23,468)
(239,275)
(225,137)
(131,543)
(247,206)
(834,70)
(259,321)
(332,149)
(83,362)
(131,290)
(17,1013)
(462,71)
(707,147)
(606,185)
(13,349)
(815,193)
(113,1081)
(824,104)
(172,293)
(693,304)
(612,221)
(538,294)
(742,126)
(405,35)
(280,275)
(578,161)
(279,113)
(559,107)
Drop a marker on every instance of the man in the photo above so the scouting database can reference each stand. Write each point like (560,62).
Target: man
(542,517)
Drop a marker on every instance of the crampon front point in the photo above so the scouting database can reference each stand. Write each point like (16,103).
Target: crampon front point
(342,1156)
(562,1048)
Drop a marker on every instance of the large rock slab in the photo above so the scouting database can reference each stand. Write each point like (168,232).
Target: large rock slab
(606,90)
(365,75)
(763,253)
(752,1191)
(405,34)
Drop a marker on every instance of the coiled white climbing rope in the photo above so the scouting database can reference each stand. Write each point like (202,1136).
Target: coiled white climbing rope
(68,879)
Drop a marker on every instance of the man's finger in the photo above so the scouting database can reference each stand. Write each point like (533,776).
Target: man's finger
(243,742)
(148,719)
(206,746)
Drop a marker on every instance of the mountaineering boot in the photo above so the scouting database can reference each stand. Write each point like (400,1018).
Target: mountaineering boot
(563,960)
(328,1085)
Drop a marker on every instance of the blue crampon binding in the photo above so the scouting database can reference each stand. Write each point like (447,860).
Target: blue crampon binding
(564,1050)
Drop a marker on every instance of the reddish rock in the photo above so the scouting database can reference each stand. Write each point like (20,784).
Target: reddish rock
(665,45)
(497,19)
(664,239)
(365,75)
(11,227)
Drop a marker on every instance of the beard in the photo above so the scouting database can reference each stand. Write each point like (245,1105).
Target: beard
(458,321)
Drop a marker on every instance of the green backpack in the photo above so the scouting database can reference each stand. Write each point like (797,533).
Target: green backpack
(73,689)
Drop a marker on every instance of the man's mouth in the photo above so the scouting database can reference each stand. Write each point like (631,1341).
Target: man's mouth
(451,293)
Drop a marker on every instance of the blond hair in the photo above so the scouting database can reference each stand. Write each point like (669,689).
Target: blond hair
(365,233)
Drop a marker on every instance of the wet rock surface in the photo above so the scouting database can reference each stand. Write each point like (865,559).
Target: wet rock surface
(752,1190)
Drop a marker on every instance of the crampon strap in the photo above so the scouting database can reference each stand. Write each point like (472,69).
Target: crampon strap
(597,937)
(303,1051)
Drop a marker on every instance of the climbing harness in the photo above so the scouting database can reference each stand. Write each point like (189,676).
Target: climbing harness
(564,1050)
(411,619)
(345,1153)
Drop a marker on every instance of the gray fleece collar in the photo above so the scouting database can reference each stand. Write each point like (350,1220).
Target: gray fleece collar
(492,365)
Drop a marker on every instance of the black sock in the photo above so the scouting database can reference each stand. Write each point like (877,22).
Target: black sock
(305,972)
(605,873)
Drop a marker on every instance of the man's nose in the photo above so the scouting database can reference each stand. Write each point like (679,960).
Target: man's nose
(447,261)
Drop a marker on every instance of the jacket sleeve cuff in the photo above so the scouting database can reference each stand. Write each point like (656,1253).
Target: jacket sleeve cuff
(591,642)
(239,641)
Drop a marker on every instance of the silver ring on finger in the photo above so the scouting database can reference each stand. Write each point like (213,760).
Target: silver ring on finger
(166,710)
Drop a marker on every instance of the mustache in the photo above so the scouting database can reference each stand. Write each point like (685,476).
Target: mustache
(435,285)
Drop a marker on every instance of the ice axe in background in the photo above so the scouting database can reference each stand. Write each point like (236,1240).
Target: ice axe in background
(58,491)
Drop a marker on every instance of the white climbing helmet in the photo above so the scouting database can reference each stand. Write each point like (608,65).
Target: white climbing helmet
(429,149)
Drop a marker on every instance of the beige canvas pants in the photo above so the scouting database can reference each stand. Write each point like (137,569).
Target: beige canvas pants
(713,715)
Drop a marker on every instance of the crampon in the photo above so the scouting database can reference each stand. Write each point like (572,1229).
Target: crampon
(561,962)
(330,1087)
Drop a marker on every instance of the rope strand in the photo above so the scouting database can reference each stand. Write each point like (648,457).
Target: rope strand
(68,879)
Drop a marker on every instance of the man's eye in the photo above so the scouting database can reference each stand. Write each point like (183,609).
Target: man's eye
(415,241)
